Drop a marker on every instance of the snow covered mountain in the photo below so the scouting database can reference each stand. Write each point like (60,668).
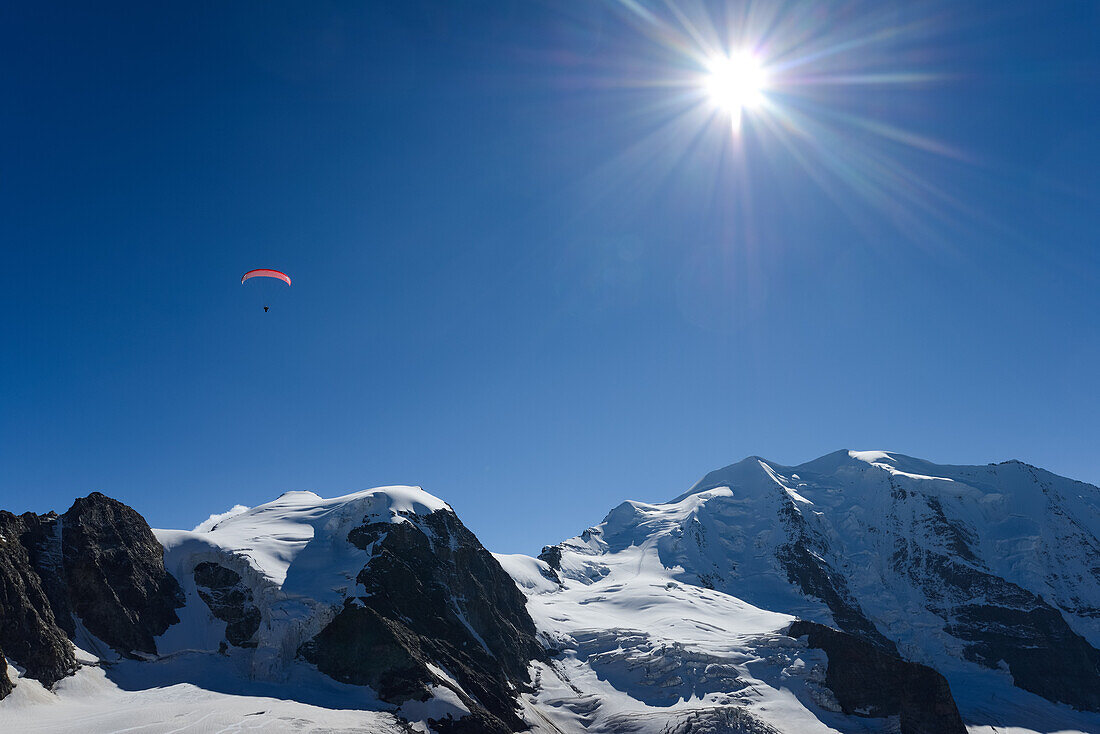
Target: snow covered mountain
(826,597)
(384,588)
(379,601)
(989,574)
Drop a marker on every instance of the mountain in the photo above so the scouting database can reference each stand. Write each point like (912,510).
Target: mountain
(860,592)
(384,588)
(988,574)
(380,601)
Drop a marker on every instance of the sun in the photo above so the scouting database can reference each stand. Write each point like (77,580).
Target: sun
(736,83)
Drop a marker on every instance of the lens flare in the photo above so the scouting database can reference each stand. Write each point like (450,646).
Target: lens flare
(828,88)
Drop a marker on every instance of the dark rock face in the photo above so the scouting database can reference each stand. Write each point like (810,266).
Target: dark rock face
(362,647)
(434,595)
(1043,654)
(867,681)
(230,601)
(551,554)
(42,539)
(114,570)
(99,562)
(29,634)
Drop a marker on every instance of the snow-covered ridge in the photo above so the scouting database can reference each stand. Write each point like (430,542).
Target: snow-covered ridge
(1015,519)
(293,557)
(272,535)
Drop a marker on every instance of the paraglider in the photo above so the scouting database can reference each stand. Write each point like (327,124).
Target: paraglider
(266,273)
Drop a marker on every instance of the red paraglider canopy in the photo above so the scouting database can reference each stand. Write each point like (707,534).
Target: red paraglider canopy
(264,273)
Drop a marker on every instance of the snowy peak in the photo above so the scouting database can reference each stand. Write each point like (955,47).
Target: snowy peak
(750,473)
(383,588)
(757,473)
(926,559)
(379,599)
(894,462)
(676,617)
(381,504)
(631,523)
(990,493)
(271,536)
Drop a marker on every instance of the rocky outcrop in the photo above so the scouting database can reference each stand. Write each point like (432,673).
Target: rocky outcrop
(230,600)
(98,563)
(868,681)
(114,572)
(551,554)
(29,634)
(435,600)
(42,539)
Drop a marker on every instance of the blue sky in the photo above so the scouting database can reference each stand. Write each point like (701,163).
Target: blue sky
(530,273)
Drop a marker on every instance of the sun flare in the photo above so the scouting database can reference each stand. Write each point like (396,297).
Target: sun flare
(772,82)
(736,83)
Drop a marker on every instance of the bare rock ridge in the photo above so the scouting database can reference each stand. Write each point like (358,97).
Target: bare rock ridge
(98,565)
(802,560)
(114,572)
